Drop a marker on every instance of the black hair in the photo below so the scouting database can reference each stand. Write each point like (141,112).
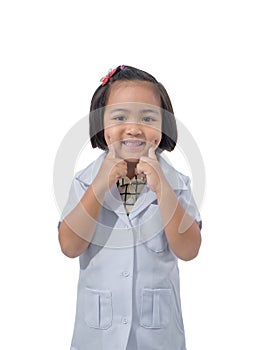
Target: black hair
(99,99)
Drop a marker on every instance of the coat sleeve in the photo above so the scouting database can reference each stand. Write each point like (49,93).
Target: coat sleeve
(76,192)
(186,199)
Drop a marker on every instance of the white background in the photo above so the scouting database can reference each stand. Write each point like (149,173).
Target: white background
(53,54)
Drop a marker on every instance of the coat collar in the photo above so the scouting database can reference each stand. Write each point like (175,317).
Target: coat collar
(112,200)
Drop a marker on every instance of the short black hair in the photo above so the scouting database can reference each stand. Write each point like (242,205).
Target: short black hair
(100,96)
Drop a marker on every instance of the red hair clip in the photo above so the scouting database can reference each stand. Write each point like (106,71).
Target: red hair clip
(111,72)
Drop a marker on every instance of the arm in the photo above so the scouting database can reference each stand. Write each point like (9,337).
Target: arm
(182,232)
(77,229)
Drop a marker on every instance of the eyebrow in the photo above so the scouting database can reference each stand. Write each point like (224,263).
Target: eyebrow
(149,110)
(116,110)
(146,110)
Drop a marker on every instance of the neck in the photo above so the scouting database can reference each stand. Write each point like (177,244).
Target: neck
(131,169)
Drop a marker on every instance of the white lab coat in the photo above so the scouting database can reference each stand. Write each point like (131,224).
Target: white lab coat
(128,289)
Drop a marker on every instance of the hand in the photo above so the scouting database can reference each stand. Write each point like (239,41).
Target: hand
(150,167)
(112,169)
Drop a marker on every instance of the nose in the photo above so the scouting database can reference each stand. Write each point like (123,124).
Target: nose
(133,129)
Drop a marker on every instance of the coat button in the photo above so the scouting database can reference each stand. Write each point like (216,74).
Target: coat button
(125,320)
(125,273)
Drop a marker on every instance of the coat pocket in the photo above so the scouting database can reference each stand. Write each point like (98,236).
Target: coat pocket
(158,243)
(155,308)
(98,308)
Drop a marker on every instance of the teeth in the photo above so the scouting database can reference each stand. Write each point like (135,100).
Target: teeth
(133,143)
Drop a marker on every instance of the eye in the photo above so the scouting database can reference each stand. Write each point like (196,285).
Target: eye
(119,118)
(148,119)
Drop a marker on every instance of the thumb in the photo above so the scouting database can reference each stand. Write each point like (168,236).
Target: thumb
(152,153)
(111,153)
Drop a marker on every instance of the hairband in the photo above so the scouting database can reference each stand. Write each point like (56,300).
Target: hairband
(111,72)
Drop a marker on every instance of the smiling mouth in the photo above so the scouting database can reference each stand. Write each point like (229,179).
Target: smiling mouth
(133,149)
(133,143)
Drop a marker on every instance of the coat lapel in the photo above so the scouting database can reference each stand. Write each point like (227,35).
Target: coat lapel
(112,200)
(145,199)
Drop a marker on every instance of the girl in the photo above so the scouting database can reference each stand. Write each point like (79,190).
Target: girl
(129,217)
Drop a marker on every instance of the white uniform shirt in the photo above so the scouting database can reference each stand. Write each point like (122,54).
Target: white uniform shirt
(128,289)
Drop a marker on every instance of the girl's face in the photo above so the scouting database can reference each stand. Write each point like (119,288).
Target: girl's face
(132,119)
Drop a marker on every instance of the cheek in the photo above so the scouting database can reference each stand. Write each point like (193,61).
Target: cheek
(154,133)
(156,137)
(107,130)
(111,134)
(107,137)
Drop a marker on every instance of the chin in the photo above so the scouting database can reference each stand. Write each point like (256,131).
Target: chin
(133,155)
(131,159)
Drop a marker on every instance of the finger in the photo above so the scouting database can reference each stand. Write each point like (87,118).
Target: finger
(142,169)
(144,159)
(140,172)
(120,170)
(152,153)
(111,153)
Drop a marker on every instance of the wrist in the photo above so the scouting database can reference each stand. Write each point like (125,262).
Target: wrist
(99,188)
(163,191)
